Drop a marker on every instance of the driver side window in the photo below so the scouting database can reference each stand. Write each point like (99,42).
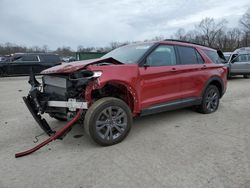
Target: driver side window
(163,55)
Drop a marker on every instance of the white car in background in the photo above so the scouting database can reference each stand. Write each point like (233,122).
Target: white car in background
(239,62)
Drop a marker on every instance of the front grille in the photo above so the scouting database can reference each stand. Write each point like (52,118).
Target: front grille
(55,81)
(55,85)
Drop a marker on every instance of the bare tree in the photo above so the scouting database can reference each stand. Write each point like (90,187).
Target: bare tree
(245,20)
(45,48)
(64,51)
(180,34)
(245,23)
(209,30)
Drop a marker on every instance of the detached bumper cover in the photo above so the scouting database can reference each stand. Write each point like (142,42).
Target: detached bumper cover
(57,135)
(41,122)
(39,102)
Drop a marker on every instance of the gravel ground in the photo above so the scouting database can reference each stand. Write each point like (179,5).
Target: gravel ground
(172,149)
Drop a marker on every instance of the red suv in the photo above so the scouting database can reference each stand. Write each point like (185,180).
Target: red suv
(133,80)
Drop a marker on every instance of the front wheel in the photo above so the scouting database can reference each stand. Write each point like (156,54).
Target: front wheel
(210,100)
(108,121)
(246,76)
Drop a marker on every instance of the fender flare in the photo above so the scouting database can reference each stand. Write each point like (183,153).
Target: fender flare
(129,88)
(210,80)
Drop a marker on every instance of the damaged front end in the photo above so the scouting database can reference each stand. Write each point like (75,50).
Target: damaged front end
(62,96)
(58,95)
(65,93)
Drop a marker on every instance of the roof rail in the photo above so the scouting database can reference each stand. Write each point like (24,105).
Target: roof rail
(175,40)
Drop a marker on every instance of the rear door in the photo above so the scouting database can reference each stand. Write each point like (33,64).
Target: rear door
(241,64)
(16,66)
(192,70)
(160,80)
(22,64)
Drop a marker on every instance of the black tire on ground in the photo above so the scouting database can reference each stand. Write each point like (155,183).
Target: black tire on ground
(108,121)
(210,100)
(246,76)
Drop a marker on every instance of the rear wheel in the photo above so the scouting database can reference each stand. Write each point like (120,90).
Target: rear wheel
(210,100)
(108,121)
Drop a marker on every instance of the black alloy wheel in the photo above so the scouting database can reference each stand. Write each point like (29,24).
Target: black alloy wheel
(108,121)
(210,100)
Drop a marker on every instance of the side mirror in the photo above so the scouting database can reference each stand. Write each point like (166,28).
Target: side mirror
(146,63)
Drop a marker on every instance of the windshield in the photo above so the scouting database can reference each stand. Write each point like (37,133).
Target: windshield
(129,54)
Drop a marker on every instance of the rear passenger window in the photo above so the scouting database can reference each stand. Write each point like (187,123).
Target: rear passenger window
(50,58)
(248,57)
(163,55)
(242,58)
(30,58)
(213,55)
(189,55)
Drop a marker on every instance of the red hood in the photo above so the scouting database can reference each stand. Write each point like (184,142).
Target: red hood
(77,65)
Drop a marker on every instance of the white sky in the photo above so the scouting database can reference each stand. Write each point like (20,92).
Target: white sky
(99,22)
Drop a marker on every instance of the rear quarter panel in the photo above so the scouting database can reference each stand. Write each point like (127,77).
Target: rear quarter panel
(214,71)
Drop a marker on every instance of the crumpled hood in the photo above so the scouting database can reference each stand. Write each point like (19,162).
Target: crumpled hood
(77,65)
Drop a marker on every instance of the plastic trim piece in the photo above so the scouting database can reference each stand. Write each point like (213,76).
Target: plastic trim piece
(71,104)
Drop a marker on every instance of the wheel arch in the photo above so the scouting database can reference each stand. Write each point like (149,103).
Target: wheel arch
(118,89)
(218,82)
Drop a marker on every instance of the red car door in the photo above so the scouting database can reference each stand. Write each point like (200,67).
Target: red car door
(193,70)
(160,79)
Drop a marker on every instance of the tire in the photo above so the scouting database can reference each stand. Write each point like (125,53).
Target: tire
(102,124)
(210,100)
(246,76)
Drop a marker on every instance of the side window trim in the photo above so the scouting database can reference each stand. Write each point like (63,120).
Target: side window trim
(38,58)
(198,54)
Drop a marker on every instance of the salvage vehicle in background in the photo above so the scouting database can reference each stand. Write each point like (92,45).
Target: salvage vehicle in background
(21,63)
(133,80)
(239,62)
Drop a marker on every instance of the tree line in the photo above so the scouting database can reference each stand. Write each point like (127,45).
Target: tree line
(216,34)
(207,32)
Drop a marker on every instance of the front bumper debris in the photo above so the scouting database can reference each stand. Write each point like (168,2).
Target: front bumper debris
(57,135)
(41,121)
(39,101)
(71,104)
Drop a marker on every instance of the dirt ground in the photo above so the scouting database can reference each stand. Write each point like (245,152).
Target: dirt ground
(172,149)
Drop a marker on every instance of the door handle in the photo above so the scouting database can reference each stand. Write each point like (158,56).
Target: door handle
(204,67)
(173,70)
